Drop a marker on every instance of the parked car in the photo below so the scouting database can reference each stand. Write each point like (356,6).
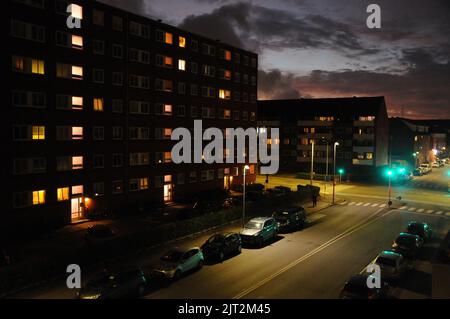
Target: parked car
(278,191)
(177,262)
(290,218)
(259,230)
(356,288)
(219,246)
(435,165)
(393,265)
(126,283)
(417,172)
(426,168)
(407,245)
(423,230)
(98,232)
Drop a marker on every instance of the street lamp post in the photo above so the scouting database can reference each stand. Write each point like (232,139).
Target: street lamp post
(326,174)
(246,167)
(334,170)
(389,189)
(312,162)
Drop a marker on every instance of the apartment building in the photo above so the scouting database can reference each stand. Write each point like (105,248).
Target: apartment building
(91,111)
(358,124)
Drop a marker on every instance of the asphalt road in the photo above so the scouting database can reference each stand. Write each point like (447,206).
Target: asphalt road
(311,263)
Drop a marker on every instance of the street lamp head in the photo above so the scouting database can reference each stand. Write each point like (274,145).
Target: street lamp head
(246,167)
(336,144)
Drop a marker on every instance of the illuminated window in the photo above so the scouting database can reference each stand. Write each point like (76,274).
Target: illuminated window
(167,178)
(182,42)
(224,94)
(77,11)
(312,130)
(369,156)
(62,194)
(38,197)
(167,133)
(227,74)
(367,118)
(18,64)
(168,38)
(168,61)
(38,132)
(77,42)
(77,132)
(98,104)
(227,55)
(37,66)
(77,102)
(167,157)
(182,65)
(77,72)
(77,162)
(227,114)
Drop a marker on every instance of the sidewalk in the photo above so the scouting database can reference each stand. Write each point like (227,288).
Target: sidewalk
(36,262)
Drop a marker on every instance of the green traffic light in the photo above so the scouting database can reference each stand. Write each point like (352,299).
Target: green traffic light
(389,173)
(341,171)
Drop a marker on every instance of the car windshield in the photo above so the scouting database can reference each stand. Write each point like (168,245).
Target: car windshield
(281,214)
(254,225)
(385,261)
(215,239)
(405,240)
(172,256)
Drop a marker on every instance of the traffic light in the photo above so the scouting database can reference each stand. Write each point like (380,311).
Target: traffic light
(341,171)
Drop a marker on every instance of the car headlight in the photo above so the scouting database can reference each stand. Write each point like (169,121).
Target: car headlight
(96,296)
(394,245)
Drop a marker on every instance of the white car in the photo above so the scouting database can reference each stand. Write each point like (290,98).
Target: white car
(426,168)
(435,165)
(177,262)
(393,265)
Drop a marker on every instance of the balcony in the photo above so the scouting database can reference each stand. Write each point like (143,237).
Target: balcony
(363,136)
(315,123)
(365,162)
(363,149)
(363,123)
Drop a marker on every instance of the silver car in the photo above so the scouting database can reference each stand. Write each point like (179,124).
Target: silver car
(392,265)
(177,262)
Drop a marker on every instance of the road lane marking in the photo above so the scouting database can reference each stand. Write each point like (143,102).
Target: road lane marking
(386,198)
(383,205)
(343,203)
(439,212)
(420,210)
(403,207)
(429,211)
(366,204)
(333,240)
(360,203)
(412,209)
(376,204)
(351,204)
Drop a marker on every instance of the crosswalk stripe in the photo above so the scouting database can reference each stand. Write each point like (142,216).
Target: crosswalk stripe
(351,204)
(366,204)
(376,204)
(359,204)
(429,211)
(343,203)
(412,209)
(439,212)
(403,207)
(382,205)
(420,210)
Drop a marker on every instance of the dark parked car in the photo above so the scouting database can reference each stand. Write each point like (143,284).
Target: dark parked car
(278,191)
(407,245)
(259,230)
(179,261)
(127,283)
(356,288)
(290,218)
(98,232)
(417,172)
(423,230)
(219,246)
(393,266)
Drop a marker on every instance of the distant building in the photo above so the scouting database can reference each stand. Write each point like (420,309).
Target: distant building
(358,124)
(410,142)
(440,135)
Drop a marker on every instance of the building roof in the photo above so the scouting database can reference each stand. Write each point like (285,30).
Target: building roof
(359,106)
